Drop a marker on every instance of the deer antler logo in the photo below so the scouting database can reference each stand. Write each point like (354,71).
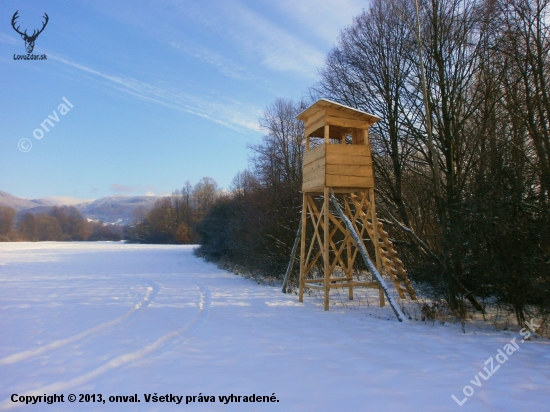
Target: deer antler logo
(29,40)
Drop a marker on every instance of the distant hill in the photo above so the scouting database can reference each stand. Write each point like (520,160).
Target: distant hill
(34,210)
(21,204)
(120,210)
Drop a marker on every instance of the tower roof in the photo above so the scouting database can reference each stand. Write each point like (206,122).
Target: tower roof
(322,104)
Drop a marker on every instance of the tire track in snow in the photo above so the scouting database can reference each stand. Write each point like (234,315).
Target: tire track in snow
(185,333)
(20,356)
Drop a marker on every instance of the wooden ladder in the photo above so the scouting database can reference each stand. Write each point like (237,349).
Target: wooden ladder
(385,250)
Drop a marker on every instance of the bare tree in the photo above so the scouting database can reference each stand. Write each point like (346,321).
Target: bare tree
(205,193)
(278,159)
(7,222)
(368,70)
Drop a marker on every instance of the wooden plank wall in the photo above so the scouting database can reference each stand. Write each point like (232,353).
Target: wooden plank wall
(349,166)
(314,169)
(338,166)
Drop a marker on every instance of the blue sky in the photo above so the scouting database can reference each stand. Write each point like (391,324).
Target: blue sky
(162,92)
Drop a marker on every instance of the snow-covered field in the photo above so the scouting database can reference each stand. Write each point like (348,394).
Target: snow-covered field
(116,319)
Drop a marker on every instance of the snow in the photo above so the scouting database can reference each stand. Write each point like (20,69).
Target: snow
(118,319)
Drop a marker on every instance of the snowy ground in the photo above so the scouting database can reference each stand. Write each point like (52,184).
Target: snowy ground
(115,319)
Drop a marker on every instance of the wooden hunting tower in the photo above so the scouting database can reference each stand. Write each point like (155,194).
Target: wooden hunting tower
(341,160)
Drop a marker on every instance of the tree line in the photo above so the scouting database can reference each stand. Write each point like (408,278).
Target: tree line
(61,223)
(461,155)
(171,220)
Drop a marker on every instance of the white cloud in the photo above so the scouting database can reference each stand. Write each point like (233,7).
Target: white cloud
(9,39)
(222,64)
(138,190)
(268,43)
(237,39)
(66,200)
(117,187)
(232,114)
(324,18)
(148,189)
(251,36)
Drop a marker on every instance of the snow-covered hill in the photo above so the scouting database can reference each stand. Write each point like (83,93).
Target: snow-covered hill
(21,204)
(119,210)
(113,319)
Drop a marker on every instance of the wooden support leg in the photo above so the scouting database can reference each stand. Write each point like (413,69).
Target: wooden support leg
(326,240)
(376,236)
(382,301)
(376,240)
(349,271)
(303,250)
